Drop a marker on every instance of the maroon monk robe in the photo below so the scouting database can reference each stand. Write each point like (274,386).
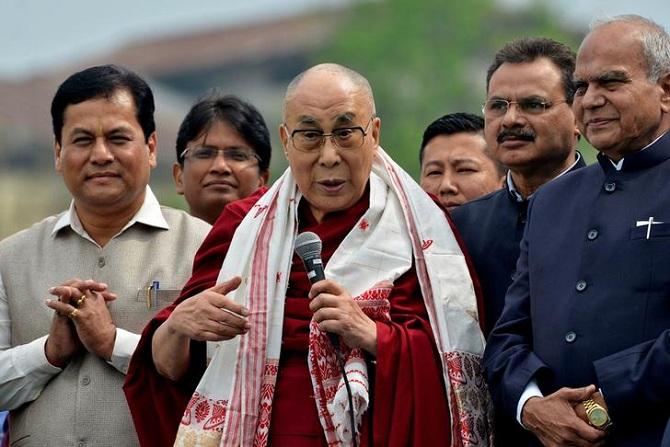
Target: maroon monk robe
(157,403)
(408,402)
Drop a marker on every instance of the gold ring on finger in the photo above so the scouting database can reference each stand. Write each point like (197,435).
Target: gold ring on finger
(73,314)
(80,302)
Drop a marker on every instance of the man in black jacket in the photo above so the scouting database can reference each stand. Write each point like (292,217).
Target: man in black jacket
(530,128)
(581,352)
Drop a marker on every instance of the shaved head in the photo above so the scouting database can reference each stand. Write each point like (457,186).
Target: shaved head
(337,71)
(332,174)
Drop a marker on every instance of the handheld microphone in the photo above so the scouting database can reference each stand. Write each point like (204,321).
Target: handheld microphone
(308,247)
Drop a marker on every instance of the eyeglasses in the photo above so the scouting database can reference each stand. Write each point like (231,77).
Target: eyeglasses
(311,140)
(495,108)
(232,155)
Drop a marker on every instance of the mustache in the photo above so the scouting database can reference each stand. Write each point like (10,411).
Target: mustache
(517,133)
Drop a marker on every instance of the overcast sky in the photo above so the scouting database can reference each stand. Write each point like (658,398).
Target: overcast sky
(37,34)
(586,10)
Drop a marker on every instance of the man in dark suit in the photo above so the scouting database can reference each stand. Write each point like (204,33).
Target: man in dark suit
(530,128)
(581,352)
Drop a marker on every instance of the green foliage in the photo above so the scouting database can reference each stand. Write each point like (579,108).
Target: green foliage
(427,58)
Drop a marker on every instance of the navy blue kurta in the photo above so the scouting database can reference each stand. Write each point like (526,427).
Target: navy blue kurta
(492,227)
(590,303)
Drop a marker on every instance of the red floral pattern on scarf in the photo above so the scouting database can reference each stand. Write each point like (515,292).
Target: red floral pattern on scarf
(464,371)
(209,415)
(265,404)
(324,368)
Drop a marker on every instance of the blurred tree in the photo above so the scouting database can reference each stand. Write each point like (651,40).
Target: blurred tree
(427,58)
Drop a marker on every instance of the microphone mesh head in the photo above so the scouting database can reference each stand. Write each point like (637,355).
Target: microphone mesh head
(308,245)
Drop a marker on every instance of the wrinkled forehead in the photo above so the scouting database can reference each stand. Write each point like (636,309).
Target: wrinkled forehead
(110,110)
(329,120)
(324,110)
(326,98)
(514,81)
(608,47)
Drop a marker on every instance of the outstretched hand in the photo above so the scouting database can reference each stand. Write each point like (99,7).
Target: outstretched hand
(210,315)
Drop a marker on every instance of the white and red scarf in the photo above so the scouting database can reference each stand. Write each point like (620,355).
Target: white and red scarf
(232,404)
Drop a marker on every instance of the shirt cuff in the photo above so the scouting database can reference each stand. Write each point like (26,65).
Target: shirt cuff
(531,390)
(124,346)
(31,358)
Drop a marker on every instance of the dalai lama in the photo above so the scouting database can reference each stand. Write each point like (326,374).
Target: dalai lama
(398,294)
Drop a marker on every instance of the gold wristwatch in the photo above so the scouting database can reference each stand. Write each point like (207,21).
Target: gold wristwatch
(597,415)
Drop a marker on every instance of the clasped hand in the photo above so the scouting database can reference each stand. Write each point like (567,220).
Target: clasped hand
(559,419)
(336,312)
(82,319)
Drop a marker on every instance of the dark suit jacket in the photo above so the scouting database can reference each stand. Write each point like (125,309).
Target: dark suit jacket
(591,299)
(666,436)
(492,227)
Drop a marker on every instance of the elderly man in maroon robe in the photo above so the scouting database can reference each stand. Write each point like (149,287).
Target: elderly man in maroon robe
(246,356)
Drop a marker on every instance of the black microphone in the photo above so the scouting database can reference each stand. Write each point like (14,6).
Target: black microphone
(308,247)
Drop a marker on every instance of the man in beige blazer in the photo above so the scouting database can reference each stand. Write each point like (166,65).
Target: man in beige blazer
(107,264)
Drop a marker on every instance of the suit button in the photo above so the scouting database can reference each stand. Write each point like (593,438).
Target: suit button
(570,337)
(592,234)
(610,186)
(580,286)
(86,381)
(101,262)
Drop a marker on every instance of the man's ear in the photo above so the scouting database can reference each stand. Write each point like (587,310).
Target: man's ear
(177,176)
(57,156)
(152,144)
(577,133)
(664,83)
(376,130)
(283,136)
(264,178)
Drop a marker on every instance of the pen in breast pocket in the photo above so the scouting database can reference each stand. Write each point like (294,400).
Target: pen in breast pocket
(155,285)
(152,295)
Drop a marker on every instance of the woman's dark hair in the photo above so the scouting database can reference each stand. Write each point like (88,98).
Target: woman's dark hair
(241,115)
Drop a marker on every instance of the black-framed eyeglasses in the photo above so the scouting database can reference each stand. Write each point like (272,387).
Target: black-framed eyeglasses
(309,140)
(495,108)
(231,155)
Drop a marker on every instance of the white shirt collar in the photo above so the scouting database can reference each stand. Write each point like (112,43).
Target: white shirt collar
(149,214)
(517,194)
(619,164)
